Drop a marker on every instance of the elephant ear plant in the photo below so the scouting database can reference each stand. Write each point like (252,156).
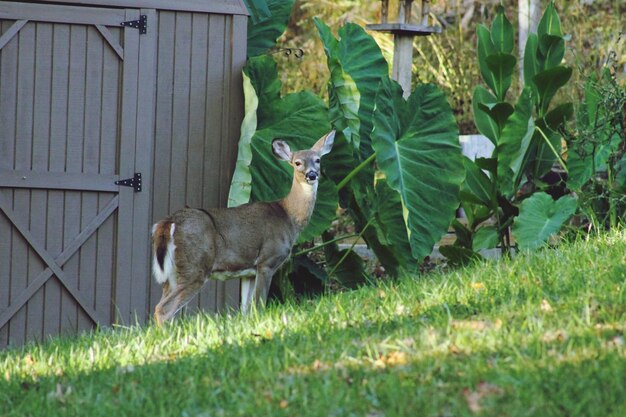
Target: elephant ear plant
(395,166)
(507,190)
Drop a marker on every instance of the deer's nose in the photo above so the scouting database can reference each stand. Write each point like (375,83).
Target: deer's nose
(311,175)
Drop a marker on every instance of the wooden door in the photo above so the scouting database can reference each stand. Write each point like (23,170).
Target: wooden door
(76,117)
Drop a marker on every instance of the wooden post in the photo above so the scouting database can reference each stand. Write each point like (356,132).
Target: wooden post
(403,33)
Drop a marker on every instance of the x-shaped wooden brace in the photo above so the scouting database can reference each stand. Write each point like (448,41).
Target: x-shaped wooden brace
(55,264)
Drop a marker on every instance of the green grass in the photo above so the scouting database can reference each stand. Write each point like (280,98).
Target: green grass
(541,335)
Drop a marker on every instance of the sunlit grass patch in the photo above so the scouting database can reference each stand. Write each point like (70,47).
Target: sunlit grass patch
(542,334)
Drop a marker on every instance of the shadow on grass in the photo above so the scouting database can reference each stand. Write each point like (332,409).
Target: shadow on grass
(347,369)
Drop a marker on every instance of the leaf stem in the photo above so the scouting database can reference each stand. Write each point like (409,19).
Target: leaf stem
(558,157)
(345,255)
(314,248)
(355,171)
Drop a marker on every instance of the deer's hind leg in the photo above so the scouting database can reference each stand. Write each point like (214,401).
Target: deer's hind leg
(174,299)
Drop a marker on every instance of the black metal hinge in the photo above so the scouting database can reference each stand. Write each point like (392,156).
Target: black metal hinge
(141,24)
(134,182)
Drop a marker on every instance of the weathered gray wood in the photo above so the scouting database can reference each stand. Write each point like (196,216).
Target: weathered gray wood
(123,284)
(76,242)
(11,32)
(197,122)
(56,199)
(74,165)
(59,134)
(219,7)
(109,141)
(162,135)
(238,60)
(61,14)
(21,198)
(215,130)
(140,276)
(180,111)
(88,273)
(45,256)
(106,34)
(405,29)
(58,180)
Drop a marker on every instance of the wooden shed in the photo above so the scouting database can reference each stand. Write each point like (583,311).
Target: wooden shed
(113,113)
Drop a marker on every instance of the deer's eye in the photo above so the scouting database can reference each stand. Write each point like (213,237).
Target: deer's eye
(317,161)
(298,163)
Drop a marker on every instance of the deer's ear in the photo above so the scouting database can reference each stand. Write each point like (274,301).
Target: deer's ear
(281,150)
(325,143)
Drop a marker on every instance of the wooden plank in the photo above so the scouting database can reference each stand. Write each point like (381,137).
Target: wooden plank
(56,199)
(22,157)
(163,128)
(109,148)
(214,131)
(143,163)
(221,6)
(61,260)
(237,59)
(180,111)
(60,14)
(215,107)
(58,180)
(197,110)
(74,165)
(106,34)
(88,274)
(238,36)
(8,96)
(58,135)
(163,122)
(45,256)
(11,32)
(128,132)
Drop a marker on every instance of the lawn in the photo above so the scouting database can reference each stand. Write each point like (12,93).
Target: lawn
(541,335)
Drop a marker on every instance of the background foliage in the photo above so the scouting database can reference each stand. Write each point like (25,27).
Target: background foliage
(592,31)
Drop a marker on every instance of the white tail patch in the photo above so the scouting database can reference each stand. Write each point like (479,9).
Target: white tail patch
(168,273)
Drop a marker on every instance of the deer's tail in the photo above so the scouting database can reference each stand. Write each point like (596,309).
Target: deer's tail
(163,247)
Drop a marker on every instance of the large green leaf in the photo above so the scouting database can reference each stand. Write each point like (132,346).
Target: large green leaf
(392,231)
(343,91)
(499,112)
(548,83)
(241,183)
(264,30)
(417,147)
(477,187)
(547,144)
(541,217)
(485,47)
(483,120)
(300,119)
(514,143)
(502,32)
(531,63)
(362,58)
(501,66)
(355,57)
(550,23)
(486,237)
(552,50)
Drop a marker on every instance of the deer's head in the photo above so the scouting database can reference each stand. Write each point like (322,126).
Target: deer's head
(305,163)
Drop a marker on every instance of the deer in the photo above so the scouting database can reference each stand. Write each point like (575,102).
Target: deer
(250,241)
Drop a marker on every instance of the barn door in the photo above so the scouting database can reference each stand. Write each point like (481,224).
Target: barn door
(75,122)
